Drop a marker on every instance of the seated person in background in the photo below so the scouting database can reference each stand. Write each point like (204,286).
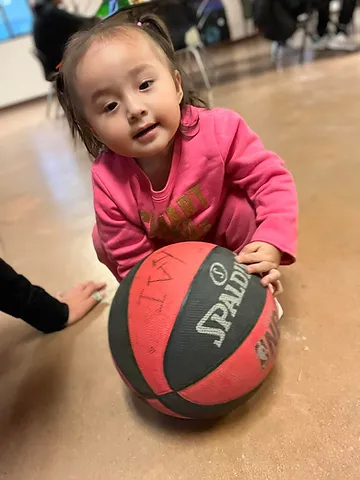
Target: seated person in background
(341,40)
(52,29)
(21,299)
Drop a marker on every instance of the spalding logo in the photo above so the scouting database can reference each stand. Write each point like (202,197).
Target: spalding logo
(228,302)
(218,274)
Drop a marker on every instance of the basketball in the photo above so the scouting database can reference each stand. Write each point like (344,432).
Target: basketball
(191,332)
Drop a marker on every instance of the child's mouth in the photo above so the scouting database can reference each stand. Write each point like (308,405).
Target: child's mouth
(146,130)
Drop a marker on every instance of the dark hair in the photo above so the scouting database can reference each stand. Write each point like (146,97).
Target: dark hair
(152,26)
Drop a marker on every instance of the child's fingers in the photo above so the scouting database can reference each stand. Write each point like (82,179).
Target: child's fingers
(249,257)
(99,286)
(273,278)
(93,287)
(261,267)
(278,288)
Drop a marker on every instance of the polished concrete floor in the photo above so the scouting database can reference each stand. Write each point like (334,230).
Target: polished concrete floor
(64,412)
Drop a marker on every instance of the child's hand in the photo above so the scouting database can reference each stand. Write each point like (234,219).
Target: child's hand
(263,259)
(81,299)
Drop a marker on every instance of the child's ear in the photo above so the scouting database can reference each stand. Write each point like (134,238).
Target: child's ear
(178,86)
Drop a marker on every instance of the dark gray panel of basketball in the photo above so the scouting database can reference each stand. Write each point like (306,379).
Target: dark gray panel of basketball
(119,339)
(177,404)
(201,341)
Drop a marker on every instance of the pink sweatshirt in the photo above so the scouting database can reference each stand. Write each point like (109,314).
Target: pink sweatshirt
(223,188)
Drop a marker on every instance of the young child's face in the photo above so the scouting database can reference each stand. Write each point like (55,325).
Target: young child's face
(129,95)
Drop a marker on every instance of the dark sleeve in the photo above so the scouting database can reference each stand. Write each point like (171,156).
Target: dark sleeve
(21,299)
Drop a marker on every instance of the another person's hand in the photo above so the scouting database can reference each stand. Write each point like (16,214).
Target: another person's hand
(263,259)
(81,299)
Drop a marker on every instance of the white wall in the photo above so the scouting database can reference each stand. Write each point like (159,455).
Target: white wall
(21,76)
(238,26)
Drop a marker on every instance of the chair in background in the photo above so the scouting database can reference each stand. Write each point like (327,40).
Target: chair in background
(49,77)
(306,22)
(304,26)
(335,8)
(183,23)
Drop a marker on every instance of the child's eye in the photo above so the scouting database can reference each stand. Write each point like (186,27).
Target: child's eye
(111,106)
(145,85)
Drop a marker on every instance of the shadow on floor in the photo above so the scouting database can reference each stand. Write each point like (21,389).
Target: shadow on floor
(258,402)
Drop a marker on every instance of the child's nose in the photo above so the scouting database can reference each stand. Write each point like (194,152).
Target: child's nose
(135,111)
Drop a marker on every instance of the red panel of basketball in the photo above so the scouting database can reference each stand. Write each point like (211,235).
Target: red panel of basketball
(156,295)
(243,371)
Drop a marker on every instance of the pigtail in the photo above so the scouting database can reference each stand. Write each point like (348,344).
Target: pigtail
(59,88)
(153,24)
(67,94)
(157,29)
(65,103)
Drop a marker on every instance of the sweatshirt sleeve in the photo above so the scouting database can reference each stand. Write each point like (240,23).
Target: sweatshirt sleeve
(20,299)
(117,238)
(267,183)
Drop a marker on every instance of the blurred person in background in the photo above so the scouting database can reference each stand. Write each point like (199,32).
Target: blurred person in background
(53,27)
(340,40)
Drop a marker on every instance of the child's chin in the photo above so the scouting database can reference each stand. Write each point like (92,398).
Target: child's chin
(152,151)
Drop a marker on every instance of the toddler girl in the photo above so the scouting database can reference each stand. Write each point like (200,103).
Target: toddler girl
(167,170)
